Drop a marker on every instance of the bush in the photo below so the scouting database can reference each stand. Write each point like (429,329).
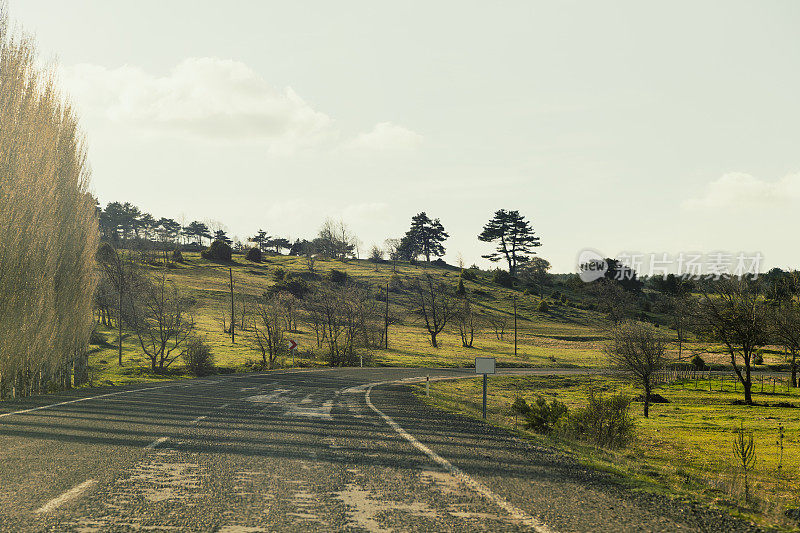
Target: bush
(198,357)
(699,363)
(395,283)
(503,278)
(337,276)
(540,417)
(218,251)
(461,291)
(543,307)
(758,358)
(177,256)
(469,274)
(604,422)
(253,254)
(279,274)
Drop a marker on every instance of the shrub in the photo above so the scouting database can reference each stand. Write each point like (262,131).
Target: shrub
(337,276)
(198,357)
(461,291)
(218,251)
(395,283)
(469,274)
(503,278)
(604,422)
(253,254)
(699,363)
(543,307)
(177,256)
(295,286)
(540,417)
(279,274)
(555,295)
(758,358)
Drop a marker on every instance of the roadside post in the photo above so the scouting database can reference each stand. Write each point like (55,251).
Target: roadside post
(427,385)
(485,366)
(292,348)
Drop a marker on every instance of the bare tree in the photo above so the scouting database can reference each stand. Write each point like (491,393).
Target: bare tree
(467,321)
(392,247)
(733,314)
(268,330)
(122,274)
(347,319)
(639,352)
(498,324)
(289,306)
(785,328)
(744,450)
(435,304)
(162,321)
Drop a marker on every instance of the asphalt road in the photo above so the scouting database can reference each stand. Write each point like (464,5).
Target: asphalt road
(298,451)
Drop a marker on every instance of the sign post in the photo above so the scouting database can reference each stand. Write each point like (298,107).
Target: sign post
(292,348)
(485,366)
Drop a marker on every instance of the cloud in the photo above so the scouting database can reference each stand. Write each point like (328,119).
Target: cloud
(740,190)
(386,137)
(206,98)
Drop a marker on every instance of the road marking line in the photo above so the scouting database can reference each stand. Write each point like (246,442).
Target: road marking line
(198,419)
(32,409)
(71,494)
(515,512)
(156,443)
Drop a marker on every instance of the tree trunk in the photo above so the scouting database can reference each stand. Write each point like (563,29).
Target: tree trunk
(119,322)
(647,400)
(433,340)
(748,384)
(794,368)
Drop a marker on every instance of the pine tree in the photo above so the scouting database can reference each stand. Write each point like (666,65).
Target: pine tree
(221,236)
(426,236)
(514,236)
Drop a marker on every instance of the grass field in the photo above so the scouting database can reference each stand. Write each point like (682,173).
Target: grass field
(565,336)
(685,447)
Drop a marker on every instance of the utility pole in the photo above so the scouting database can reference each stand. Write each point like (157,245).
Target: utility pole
(119,307)
(386,320)
(233,312)
(515,325)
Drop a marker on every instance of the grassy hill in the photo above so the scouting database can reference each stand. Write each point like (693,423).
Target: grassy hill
(565,335)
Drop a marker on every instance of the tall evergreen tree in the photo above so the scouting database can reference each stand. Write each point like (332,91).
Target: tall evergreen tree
(221,236)
(426,236)
(514,236)
(198,230)
(260,239)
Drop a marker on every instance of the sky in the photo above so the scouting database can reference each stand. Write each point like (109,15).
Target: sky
(623,127)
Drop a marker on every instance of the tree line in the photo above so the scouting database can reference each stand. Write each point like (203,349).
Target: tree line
(123,225)
(47,227)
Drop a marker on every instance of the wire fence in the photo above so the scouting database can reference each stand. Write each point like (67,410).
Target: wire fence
(690,377)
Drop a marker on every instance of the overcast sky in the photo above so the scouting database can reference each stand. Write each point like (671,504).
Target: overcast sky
(619,126)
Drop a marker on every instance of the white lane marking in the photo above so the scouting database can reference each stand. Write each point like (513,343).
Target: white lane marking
(32,409)
(71,494)
(515,512)
(156,443)
(198,419)
(323,412)
(273,397)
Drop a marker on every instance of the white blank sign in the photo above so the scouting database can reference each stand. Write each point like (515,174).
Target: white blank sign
(484,365)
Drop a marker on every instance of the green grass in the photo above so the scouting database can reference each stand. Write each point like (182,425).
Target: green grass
(563,337)
(685,447)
